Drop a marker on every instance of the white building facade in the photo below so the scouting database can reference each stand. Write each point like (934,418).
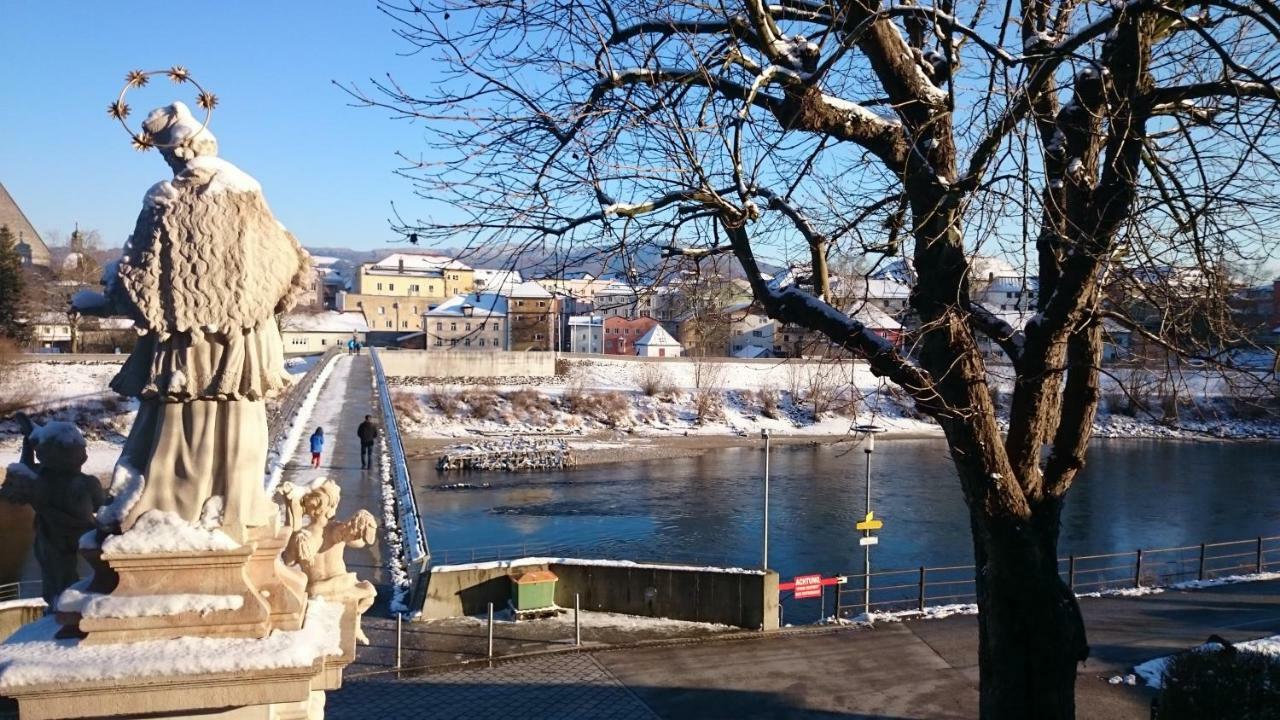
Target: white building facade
(586,334)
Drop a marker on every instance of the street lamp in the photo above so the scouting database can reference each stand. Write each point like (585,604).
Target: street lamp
(764,556)
(870,431)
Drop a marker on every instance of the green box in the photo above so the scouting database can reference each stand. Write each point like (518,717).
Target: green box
(533,590)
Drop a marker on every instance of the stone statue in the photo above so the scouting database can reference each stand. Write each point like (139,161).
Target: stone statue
(203,276)
(48,478)
(317,545)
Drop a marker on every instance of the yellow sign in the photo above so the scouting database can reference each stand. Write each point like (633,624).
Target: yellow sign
(870,523)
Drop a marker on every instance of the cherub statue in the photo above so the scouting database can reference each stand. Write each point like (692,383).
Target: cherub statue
(203,276)
(317,545)
(48,478)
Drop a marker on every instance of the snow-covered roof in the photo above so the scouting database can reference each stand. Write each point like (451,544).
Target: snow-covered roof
(415,263)
(586,320)
(334,322)
(527,289)
(750,351)
(496,280)
(898,270)
(477,304)
(875,318)
(878,288)
(657,337)
(1013,283)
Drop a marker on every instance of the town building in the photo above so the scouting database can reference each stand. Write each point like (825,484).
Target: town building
(394,292)
(30,247)
(531,318)
(586,334)
(478,321)
(750,332)
(621,334)
(658,343)
(617,299)
(305,333)
(50,332)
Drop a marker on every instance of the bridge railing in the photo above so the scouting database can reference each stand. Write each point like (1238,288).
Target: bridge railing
(417,552)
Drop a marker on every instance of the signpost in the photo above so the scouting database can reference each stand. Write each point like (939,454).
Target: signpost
(869,522)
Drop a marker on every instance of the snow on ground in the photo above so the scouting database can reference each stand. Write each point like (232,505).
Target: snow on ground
(32,656)
(1152,671)
(786,397)
(661,399)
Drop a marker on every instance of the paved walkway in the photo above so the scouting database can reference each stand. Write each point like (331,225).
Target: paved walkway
(919,669)
(344,399)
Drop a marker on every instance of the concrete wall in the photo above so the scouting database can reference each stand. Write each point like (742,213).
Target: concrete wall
(419,363)
(14,615)
(729,597)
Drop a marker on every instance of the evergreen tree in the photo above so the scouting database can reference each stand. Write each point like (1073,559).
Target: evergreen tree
(11,287)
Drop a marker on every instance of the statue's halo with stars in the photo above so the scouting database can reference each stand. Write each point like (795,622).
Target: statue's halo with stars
(142,140)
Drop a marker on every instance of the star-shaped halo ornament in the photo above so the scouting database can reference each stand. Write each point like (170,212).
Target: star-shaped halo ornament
(119,110)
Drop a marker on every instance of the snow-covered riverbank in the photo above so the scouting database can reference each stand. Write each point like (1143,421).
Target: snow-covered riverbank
(620,398)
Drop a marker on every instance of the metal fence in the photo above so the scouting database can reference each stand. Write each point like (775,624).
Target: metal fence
(417,552)
(19,590)
(918,588)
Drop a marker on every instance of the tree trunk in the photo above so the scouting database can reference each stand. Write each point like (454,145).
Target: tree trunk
(1031,633)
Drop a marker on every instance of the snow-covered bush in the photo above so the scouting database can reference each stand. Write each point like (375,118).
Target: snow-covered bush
(1226,684)
(444,400)
(482,403)
(653,380)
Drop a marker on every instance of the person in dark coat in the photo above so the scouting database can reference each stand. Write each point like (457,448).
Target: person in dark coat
(368,433)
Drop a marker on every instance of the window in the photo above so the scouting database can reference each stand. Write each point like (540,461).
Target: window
(323,341)
(453,326)
(413,309)
(467,342)
(1008,295)
(481,342)
(757,333)
(439,341)
(537,336)
(382,311)
(468,326)
(379,286)
(737,347)
(404,323)
(391,286)
(389,323)
(439,326)
(493,327)
(415,288)
(542,303)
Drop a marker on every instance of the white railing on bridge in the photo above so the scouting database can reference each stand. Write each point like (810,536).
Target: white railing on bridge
(417,554)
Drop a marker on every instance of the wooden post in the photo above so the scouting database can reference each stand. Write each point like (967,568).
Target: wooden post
(1261,565)
(920,605)
(1200,573)
(1137,571)
(1071,573)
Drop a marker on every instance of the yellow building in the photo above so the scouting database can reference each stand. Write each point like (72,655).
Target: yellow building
(394,292)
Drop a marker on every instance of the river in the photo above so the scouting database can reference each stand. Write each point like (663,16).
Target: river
(707,509)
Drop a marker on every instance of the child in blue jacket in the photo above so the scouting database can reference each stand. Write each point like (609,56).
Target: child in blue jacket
(317,444)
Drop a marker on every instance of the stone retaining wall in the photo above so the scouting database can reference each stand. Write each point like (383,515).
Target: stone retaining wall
(728,596)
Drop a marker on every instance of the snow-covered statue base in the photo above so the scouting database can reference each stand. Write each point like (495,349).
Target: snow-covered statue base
(191,609)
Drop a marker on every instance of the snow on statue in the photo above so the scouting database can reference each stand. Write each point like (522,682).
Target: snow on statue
(203,276)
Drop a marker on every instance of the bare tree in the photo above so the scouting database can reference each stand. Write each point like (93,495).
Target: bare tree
(1119,147)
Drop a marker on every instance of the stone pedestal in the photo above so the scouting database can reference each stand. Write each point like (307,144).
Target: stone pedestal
(281,677)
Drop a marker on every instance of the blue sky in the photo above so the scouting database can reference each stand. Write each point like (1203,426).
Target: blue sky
(326,168)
